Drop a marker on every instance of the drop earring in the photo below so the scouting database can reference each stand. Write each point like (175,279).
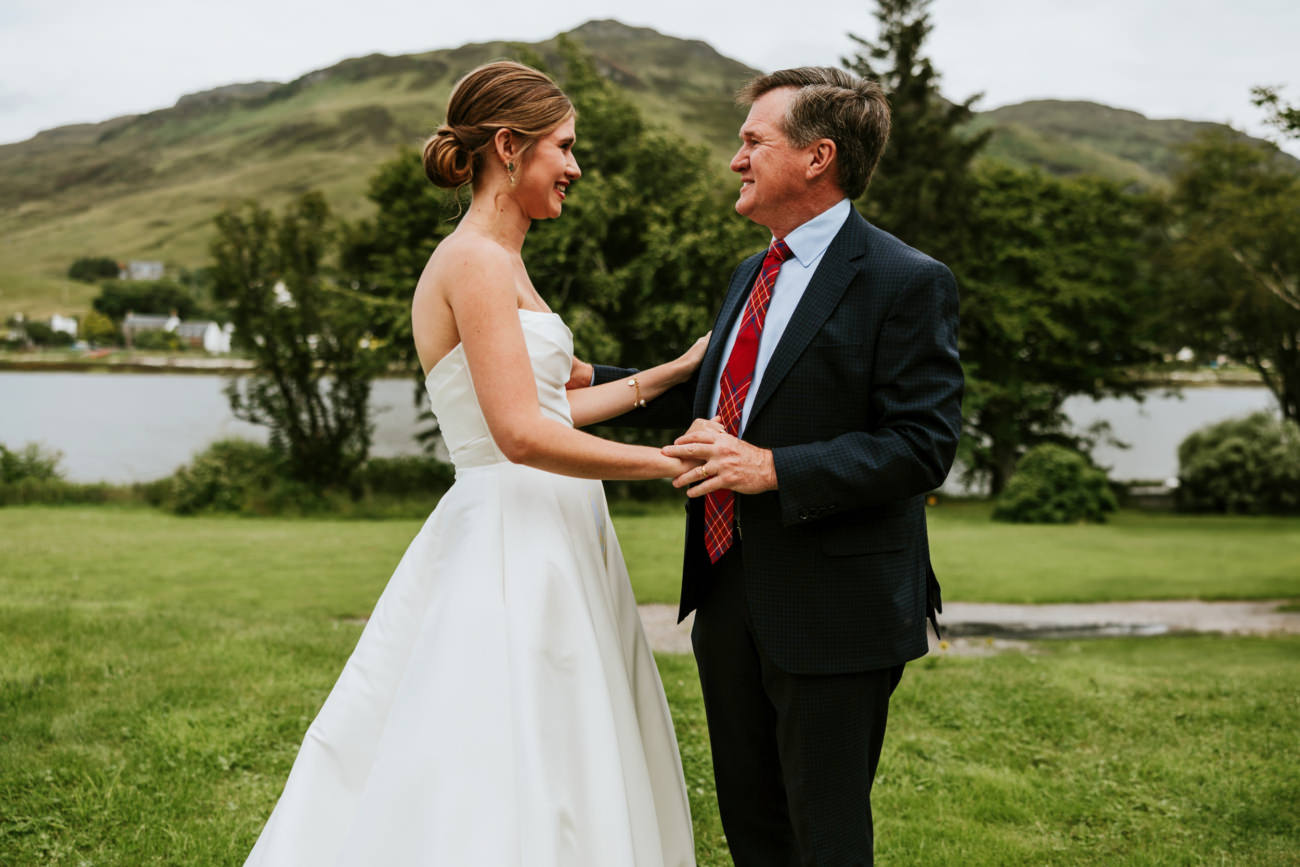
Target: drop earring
(510,171)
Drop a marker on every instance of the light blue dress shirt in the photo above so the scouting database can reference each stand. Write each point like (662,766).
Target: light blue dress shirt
(808,244)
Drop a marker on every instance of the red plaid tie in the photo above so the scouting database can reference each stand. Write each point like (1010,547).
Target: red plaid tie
(720,506)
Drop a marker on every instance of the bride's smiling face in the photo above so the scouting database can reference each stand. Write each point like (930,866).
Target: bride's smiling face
(546,170)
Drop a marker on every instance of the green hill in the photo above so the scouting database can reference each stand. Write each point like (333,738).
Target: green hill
(147,186)
(1068,138)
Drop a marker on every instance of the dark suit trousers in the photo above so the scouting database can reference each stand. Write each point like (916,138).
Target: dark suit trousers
(794,756)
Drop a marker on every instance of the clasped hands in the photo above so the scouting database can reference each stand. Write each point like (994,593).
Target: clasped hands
(724,461)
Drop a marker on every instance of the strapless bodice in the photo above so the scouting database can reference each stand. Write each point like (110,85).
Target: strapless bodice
(452,397)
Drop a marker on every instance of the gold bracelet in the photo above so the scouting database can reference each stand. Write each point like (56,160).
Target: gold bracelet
(637,402)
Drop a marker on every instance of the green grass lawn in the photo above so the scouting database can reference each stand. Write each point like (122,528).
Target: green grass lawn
(1138,555)
(157,674)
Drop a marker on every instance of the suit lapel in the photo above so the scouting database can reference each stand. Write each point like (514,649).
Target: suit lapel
(836,269)
(711,366)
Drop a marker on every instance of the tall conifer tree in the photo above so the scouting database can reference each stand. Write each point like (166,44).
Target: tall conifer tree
(922,190)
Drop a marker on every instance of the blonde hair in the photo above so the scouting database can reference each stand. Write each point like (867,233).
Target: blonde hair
(500,95)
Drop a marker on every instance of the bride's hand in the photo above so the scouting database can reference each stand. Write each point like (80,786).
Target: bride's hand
(682,465)
(689,360)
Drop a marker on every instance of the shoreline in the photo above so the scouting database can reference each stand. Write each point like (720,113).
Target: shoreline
(141,364)
(10,362)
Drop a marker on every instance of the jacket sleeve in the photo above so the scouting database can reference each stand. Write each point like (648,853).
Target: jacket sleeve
(670,410)
(916,392)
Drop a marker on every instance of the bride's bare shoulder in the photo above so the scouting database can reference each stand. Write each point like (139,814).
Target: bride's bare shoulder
(465,263)
(463,254)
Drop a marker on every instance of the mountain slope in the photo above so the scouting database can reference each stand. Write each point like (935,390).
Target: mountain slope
(147,186)
(1066,138)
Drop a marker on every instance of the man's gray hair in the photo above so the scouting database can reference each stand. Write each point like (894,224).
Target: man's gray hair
(832,103)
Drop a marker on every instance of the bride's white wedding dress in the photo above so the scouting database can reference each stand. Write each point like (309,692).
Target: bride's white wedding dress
(502,706)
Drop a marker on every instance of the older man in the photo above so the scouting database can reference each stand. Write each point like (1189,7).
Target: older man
(827,405)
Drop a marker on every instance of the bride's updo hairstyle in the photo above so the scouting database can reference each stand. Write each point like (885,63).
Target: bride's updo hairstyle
(501,95)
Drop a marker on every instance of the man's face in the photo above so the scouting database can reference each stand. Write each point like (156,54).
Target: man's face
(772,171)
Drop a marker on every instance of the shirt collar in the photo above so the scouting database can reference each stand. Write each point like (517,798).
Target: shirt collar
(810,240)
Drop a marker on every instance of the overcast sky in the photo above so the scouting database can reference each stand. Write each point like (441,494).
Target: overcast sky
(69,61)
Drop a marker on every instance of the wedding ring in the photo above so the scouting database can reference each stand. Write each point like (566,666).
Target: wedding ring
(704,474)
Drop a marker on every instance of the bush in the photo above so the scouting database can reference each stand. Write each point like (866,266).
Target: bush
(1249,465)
(1055,485)
(43,335)
(250,478)
(32,476)
(32,462)
(54,492)
(166,341)
(227,476)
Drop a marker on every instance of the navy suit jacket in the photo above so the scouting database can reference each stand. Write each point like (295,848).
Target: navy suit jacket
(861,407)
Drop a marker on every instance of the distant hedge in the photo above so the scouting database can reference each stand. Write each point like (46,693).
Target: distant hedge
(31,476)
(246,477)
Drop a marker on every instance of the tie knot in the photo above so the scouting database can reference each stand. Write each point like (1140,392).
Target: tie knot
(779,251)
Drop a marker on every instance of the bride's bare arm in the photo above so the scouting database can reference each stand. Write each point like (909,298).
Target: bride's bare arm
(485,308)
(600,402)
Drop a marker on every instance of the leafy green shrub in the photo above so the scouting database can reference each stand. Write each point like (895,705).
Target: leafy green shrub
(43,335)
(31,475)
(161,340)
(1055,485)
(1249,465)
(32,462)
(250,478)
(53,492)
(225,477)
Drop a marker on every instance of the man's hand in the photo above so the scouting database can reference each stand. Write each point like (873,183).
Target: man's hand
(727,462)
(581,374)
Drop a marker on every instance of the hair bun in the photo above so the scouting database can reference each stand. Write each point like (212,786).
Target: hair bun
(501,95)
(446,160)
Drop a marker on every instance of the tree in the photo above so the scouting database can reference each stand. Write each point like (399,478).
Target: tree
(1048,270)
(314,352)
(923,188)
(41,334)
(1234,258)
(117,298)
(1282,115)
(1054,305)
(382,258)
(88,269)
(98,330)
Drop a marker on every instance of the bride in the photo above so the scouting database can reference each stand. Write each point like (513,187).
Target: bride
(502,706)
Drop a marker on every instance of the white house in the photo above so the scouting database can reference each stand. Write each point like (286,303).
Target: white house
(198,333)
(207,334)
(135,324)
(66,324)
(138,269)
